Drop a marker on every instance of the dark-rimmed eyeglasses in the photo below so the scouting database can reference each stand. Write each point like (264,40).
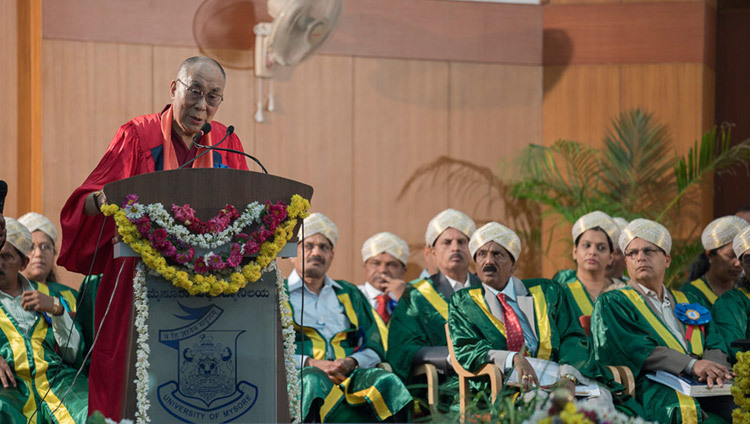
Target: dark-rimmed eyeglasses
(648,252)
(194,94)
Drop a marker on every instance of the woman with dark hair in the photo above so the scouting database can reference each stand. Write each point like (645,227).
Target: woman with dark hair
(594,235)
(717,268)
(42,256)
(731,312)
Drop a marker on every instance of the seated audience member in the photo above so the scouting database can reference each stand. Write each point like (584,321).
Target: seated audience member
(42,256)
(39,343)
(616,270)
(646,327)
(716,270)
(730,316)
(385,256)
(417,330)
(338,342)
(504,316)
(593,238)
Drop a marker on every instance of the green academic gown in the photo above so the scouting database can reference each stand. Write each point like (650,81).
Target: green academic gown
(475,331)
(419,321)
(39,370)
(701,291)
(625,332)
(367,395)
(730,317)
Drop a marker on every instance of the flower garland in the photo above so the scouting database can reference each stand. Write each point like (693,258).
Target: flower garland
(575,412)
(142,353)
(741,388)
(204,274)
(288,334)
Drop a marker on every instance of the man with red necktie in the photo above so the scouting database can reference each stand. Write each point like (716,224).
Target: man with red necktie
(504,319)
(149,143)
(385,256)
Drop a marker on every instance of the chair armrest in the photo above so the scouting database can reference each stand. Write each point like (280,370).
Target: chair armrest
(430,371)
(384,366)
(624,376)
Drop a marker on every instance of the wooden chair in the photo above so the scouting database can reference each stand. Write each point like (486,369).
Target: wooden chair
(491,370)
(624,376)
(429,371)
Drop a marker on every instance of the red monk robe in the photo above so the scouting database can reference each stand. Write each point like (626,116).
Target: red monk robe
(138,147)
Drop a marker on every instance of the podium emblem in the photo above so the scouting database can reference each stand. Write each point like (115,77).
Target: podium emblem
(207,389)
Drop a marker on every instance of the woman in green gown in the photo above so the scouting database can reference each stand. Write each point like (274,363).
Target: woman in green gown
(731,311)
(717,268)
(594,235)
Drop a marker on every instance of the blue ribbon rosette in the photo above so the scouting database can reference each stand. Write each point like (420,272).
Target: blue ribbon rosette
(692,313)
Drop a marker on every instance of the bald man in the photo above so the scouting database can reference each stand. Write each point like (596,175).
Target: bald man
(155,142)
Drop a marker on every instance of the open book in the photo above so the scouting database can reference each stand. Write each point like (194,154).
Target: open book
(548,373)
(688,386)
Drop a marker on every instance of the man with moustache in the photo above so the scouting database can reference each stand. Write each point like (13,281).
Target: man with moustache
(505,316)
(338,342)
(417,330)
(40,345)
(647,327)
(385,256)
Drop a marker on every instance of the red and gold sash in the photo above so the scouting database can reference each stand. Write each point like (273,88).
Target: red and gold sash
(170,158)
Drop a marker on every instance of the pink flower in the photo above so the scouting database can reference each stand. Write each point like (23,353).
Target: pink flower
(130,199)
(200,266)
(215,262)
(143,225)
(183,213)
(234,259)
(262,235)
(182,258)
(158,235)
(252,247)
(242,237)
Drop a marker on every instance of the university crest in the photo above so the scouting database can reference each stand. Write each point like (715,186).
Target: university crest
(207,389)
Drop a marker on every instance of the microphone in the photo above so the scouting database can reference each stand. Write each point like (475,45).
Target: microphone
(205,129)
(3,193)
(230,130)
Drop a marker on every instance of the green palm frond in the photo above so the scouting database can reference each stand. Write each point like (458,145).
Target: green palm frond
(683,253)
(637,163)
(714,154)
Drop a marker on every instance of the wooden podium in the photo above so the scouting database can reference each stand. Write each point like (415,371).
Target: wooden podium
(212,359)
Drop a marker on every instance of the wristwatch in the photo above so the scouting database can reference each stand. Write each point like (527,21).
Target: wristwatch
(570,377)
(96,199)
(57,306)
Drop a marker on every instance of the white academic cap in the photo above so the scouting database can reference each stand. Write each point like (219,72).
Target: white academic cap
(18,236)
(721,231)
(741,242)
(388,243)
(317,223)
(449,218)
(593,220)
(621,222)
(38,222)
(498,233)
(648,230)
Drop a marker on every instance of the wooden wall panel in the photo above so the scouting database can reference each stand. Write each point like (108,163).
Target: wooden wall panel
(400,123)
(579,104)
(238,106)
(411,29)
(91,90)
(680,98)
(309,139)
(629,33)
(495,111)
(9,86)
